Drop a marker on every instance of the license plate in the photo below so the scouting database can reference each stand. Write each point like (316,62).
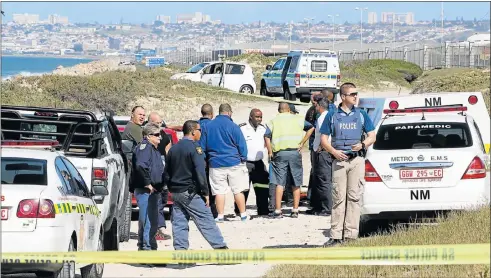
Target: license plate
(5,214)
(421,174)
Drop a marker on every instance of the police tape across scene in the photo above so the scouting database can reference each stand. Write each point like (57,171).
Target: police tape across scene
(389,255)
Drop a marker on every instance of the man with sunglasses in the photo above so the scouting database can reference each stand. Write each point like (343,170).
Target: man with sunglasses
(346,127)
(148,183)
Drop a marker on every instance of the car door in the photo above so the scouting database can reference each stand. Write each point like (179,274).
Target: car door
(115,150)
(212,75)
(84,208)
(234,77)
(275,76)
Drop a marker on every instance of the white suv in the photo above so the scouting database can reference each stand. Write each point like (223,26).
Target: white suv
(424,160)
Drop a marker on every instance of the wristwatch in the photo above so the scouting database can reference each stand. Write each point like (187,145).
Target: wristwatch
(363,146)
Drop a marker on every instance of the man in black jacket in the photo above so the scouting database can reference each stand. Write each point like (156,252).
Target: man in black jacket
(185,177)
(148,169)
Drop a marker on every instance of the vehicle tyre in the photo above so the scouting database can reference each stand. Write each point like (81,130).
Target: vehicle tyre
(111,237)
(126,221)
(66,271)
(246,89)
(288,94)
(370,226)
(264,90)
(94,270)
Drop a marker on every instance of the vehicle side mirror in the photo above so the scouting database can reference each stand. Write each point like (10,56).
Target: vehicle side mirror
(99,190)
(269,67)
(127,146)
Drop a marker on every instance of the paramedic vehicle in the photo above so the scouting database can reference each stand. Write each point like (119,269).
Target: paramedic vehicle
(47,207)
(237,77)
(93,144)
(425,160)
(301,73)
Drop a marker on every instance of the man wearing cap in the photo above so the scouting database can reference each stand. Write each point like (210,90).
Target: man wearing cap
(284,143)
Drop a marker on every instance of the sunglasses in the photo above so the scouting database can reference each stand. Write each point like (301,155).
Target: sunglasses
(354,94)
(198,129)
(156,134)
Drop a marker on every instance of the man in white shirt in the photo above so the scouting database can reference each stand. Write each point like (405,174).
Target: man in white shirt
(253,132)
(321,198)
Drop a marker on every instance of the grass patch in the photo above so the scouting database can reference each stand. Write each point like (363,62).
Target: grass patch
(379,73)
(455,80)
(457,228)
(176,100)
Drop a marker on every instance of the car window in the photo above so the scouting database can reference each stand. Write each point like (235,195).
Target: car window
(279,64)
(430,135)
(294,62)
(235,69)
(318,66)
(69,186)
(110,138)
(481,144)
(77,181)
(24,171)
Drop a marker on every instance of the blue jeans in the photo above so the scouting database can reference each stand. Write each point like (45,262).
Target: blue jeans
(162,202)
(188,206)
(147,218)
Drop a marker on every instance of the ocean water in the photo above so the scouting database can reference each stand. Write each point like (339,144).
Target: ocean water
(29,65)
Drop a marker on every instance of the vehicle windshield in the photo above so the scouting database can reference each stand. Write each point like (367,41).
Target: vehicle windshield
(197,68)
(24,171)
(423,136)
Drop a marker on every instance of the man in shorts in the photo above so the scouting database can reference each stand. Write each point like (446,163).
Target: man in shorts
(284,143)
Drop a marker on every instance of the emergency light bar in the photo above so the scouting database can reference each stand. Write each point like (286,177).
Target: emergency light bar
(30,143)
(428,110)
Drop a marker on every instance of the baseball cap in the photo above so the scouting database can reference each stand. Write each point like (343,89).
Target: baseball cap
(293,109)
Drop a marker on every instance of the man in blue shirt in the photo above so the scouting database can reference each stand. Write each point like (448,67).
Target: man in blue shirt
(346,127)
(226,149)
(206,117)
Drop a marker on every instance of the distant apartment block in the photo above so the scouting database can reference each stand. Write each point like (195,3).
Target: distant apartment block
(389,17)
(163,18)
(195,18)
(57,19)
(372,18)
(25,18)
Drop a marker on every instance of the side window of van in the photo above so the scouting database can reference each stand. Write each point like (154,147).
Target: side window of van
(279,65)
(481,144)
(294,62)
(318,66)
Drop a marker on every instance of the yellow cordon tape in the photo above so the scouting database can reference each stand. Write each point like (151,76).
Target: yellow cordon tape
(391,255)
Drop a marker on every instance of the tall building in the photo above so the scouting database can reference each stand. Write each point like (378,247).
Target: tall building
(57,19)
(25,18)
(409,18)
(372,18)
(389,17)
(164,19)
(195,18)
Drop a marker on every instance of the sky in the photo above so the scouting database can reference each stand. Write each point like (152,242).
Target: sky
(241,12)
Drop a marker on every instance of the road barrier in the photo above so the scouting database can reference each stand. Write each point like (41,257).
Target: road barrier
(388,255)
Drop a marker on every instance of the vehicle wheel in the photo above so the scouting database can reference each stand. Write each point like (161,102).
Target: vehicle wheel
(369,227)
(111,237)
(126,221)
(246,89)
(66,271)
(264,91)
(288,95)
(94,270)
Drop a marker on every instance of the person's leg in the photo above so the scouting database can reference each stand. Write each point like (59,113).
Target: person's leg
(356,185)
(314,197)
(141,195)
(213,206)
(324,175)
(180,223)
(278,177)
(219,187)
(260,180)
(153,217)
(204,221)
(296,169)
(250,168)
(339,198)
(312,175)
(238,178)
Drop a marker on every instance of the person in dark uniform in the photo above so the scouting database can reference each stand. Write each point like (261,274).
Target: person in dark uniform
(185,176)
(148,170)
(163,148)
(206,117)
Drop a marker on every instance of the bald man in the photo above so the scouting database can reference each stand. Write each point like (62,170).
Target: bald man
(163,148)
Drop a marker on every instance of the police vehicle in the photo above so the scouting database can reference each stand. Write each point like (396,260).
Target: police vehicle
(425,160)
(92,142)
(301,73)
(47,207)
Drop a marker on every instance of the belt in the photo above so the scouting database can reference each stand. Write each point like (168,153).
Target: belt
(350,156)
(289,149)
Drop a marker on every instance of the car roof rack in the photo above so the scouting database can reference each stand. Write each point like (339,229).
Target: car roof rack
(77,131)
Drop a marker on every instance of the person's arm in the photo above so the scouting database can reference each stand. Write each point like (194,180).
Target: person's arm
(142,165)
(267,141)
(240,143)
(310,129)
(166,178)
(326,132)
(369,128)
(199,171)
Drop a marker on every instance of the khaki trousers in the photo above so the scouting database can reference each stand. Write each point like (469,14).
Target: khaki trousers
(348,182)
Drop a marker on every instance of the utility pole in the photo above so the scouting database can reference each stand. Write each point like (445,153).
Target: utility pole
(441,39)
(333,28)
(308,26)
(361,25)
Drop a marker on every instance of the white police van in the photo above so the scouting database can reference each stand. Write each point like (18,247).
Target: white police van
(47,207)
(425,160)
(301,73)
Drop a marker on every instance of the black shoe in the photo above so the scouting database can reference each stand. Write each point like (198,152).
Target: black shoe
(224,247)
(323,213)
(276,215)
(311,212)
(332,242)
(294,215)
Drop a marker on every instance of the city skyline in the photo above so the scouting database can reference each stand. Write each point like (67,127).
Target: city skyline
(249,11)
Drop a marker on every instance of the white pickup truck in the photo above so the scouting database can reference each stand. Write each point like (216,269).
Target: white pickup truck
(91,141)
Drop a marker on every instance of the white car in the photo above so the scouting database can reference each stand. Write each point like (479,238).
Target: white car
(237,77)
(47,207)
(424,160)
